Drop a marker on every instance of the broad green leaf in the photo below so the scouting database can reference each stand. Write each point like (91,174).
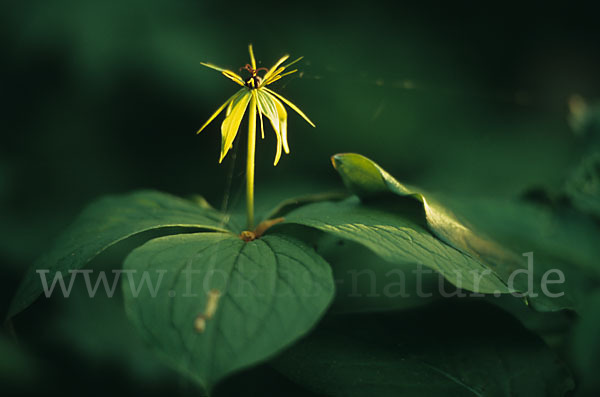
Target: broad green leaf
(495,231)
(255,299)
(367,179)
(367,283)
(523,226)
(453,349)
(561,241)
(398,239)
(116,341)
(106,222)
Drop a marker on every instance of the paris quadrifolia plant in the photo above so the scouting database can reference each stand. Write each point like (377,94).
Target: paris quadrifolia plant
(258,99)
(211,301)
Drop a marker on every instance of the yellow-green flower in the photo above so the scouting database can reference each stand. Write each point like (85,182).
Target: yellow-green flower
(256,96)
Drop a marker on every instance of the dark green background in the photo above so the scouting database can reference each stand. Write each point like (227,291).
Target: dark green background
(106,96)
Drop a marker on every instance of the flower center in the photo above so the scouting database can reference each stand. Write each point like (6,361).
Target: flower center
(254,80)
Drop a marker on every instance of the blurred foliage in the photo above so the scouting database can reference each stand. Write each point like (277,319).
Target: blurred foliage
(104,97)
(484,352)
(586,346)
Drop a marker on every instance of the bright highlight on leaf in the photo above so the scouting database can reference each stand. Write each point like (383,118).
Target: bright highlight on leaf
(258,98)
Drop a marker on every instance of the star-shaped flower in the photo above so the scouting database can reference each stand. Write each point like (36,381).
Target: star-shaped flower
(256,96)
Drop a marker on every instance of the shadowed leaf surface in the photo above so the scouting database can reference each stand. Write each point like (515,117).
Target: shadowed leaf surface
(271,291)
(457,349)
(497,231)
(399,240)
(106,222)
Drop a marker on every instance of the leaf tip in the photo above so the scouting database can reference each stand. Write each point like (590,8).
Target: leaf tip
(336,159)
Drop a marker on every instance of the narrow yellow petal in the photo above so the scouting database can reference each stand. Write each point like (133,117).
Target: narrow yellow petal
(231,124)
(252,60)
(234,101)
(294,107)
(233,77)
(269,109)
(282,113)
(283,126)
(275,73)
(288,73)
(291,63)
(278,153)
(222,70)
(228,112)
(274,78)
(227,73)
(219,110)
(262,128)
(215,67)
(274,68)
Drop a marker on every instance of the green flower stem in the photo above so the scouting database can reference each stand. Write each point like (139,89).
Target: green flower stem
(250,162)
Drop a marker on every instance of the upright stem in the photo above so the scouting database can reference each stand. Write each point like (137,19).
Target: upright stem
(250,162)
